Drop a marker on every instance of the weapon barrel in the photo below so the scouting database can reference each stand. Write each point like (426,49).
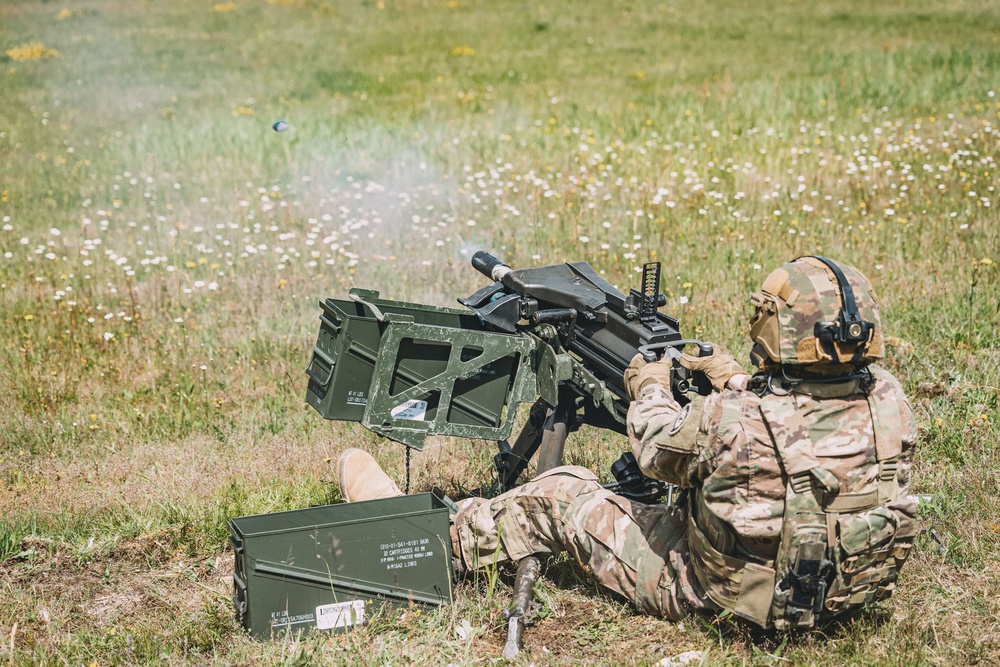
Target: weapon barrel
(489,266)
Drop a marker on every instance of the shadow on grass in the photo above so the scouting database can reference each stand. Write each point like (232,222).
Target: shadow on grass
(845,636)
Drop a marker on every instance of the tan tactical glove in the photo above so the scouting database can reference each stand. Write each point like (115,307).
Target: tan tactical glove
(718,368)
(640,373)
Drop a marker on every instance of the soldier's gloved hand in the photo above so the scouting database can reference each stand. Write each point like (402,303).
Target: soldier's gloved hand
(719,368)
(640,373)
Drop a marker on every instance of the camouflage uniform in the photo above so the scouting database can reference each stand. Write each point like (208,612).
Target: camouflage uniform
(739,453)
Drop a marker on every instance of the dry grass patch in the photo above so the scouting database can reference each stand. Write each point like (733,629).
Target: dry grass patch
(142,588)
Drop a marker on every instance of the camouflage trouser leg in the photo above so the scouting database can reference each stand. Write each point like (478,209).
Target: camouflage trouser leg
(627,544)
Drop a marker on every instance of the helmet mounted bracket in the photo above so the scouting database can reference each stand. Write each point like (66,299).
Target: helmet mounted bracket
(849,327)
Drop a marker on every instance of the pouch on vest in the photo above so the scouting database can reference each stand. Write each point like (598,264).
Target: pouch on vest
(838,550)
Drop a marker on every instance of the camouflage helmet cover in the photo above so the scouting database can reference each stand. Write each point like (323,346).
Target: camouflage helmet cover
(797,296)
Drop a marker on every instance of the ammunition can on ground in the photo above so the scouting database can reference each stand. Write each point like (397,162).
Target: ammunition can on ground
(336,566)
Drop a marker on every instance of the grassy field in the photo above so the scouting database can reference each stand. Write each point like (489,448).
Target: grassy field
(163,252)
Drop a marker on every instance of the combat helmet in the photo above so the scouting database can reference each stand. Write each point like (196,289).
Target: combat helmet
(818,315)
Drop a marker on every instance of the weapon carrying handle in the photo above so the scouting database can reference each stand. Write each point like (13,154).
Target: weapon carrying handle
(680,382)
(672,349)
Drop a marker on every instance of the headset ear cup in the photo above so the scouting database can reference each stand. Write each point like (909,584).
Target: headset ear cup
(765,331)
(756,323)
(825,350)
(760,358)
(876,345)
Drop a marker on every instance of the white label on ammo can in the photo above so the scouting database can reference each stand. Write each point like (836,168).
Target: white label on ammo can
(415,410)
(340,614)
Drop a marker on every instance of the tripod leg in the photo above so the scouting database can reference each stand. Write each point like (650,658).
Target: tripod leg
(511,462)
(555,432)
(524,590)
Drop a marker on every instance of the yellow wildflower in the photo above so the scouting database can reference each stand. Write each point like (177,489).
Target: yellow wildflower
(462,51)
(224,7)
(31,51)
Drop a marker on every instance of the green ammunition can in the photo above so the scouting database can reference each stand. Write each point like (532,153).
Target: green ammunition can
(408,370)
(332,567)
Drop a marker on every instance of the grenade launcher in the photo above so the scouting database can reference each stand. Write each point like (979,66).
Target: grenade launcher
(560,336)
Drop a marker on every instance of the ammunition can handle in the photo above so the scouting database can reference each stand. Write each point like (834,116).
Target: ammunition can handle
(329,362)
(371,306)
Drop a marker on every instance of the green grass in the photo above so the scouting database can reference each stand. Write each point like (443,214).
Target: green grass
(152,347)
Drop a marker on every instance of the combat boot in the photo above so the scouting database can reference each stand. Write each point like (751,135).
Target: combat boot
(361,478)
